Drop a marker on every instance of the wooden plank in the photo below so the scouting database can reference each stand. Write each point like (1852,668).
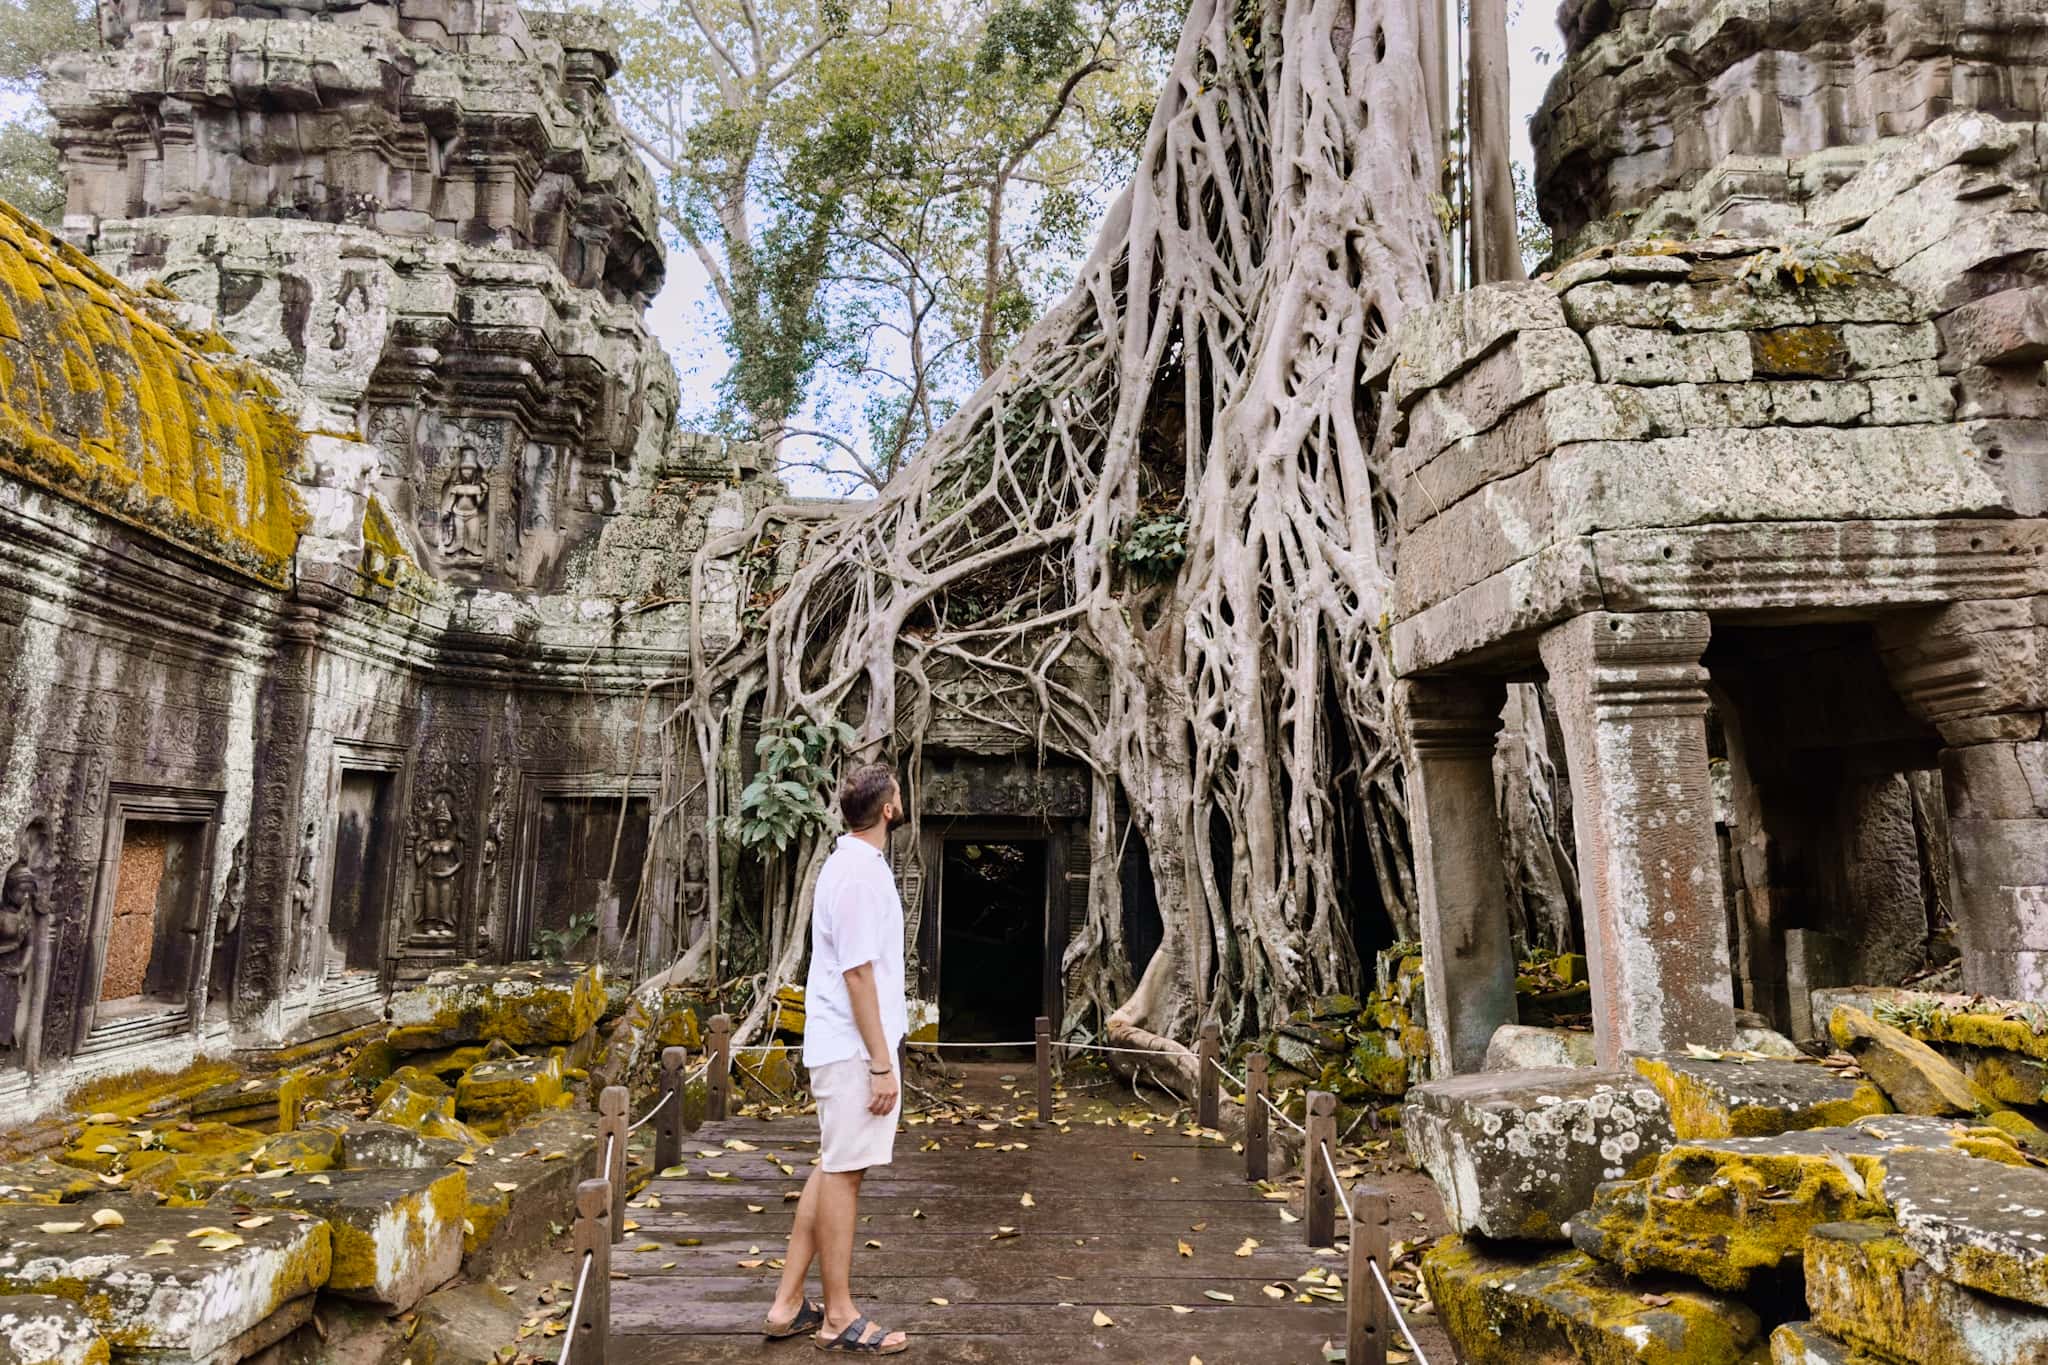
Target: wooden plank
(653,1313)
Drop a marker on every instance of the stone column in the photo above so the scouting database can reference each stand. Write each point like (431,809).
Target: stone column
(1631,699)
(1979,672)
(1447,728)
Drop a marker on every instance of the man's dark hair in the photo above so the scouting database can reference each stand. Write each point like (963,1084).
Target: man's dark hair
(862,793)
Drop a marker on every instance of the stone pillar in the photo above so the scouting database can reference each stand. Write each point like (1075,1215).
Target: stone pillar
(1632,702)
(1447,728)
(1979,672)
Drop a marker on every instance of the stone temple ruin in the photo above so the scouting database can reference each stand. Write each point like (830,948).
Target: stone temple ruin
(305,706)
(343,533)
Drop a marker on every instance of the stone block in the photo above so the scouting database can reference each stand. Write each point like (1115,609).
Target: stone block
(2006,328)
(1436,344)
(1515,1154)
(167,1293)
(1519,1047)
(1890,347)
(1916,1078)
(396,1234)
(1867,1288)
(1561,1307)
(1712,1098)
(523,1004)
(1974,1223)
(1801,1343)
(391,1146)
(1810,352)
(1910,400)
(1726,1211)
(521,1184)
(495,1095)
(43,1329)
(1635,355)
(2015,453)
(1529,364)
(39,1180)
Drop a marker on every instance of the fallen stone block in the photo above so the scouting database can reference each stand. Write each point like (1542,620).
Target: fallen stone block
(102,1147)
(448,1064)
(1727,1210)
(1916,1078)
(523,1183)
(173,1285)
(396,1234)
(1515,1154)
(495,1095)
(1519,1047)
(1981,1226)
(242,1103)
(43,1329)
(39,1180)
(1801,1343)
(524,1004)
(1867,1288)
(1560,1307)
(387,1146)
(1714,1098)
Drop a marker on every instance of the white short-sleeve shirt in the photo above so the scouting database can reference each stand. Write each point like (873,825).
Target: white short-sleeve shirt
(856,917)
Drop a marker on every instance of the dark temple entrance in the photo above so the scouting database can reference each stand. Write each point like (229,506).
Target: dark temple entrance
(361,878)
(992,963)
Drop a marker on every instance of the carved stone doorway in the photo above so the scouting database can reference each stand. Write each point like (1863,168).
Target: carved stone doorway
(359,894)
(151,930)
(992,932)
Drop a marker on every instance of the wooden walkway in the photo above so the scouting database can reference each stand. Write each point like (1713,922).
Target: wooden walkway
(989,1240)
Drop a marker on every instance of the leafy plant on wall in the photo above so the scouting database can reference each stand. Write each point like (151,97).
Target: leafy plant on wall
(791,794)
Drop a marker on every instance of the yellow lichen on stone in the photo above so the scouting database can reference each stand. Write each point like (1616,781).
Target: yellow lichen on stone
(1699,1111)
(105,403)
(1563,1307)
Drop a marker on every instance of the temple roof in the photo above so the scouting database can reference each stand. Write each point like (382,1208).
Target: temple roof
(108,403)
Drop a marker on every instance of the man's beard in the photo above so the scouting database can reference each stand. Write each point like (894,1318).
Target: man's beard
(898,821)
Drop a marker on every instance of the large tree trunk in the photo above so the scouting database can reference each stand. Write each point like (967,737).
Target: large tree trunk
(1214,350)
(1496,248)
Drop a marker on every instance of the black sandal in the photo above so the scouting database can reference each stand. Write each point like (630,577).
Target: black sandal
(809,1318)
(851,1341)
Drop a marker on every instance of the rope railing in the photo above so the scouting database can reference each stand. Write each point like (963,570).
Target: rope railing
(575,1308)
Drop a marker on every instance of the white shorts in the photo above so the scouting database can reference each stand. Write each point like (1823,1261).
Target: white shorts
(849,1137)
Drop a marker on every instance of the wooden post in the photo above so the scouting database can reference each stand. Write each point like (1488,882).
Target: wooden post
(1256,1121)
(1322,1190)
(719,1077)
(612,1136)
(1208,1108)
(668,1127)
(1043,1038)
(590,1329)
(1368,1324)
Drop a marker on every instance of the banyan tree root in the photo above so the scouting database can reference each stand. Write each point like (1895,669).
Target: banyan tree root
(1208,366)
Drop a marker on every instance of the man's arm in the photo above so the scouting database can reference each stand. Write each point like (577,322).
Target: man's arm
(867,1018)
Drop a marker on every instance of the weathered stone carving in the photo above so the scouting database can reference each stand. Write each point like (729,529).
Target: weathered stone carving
(465,504)
(25,952)
(439,860)
(305,900)
(227,924)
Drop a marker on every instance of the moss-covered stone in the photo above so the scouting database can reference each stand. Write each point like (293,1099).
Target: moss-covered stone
(522,1185)
(1867,1288)
(1978,1225)
(42,1329)
(106,1147)
(1564,1307)
(1713,1098)
(494,1095)
(387,1146)
(1724,1211)
(1802,1343)
(172,1284)
(396,1234)
(1916,1078)
(524,1004)
(39,1180)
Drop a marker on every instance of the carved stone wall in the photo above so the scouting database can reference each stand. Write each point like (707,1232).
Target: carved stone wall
(1657,97)
(427,217)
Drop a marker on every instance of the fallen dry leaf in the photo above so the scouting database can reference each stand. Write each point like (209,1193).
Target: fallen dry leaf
(60,1227)
(1184,1248)
(943,1303)
(107,1218)
(1028,1202)
(1103,1319)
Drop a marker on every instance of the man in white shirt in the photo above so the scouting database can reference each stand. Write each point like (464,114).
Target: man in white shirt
(854,1018)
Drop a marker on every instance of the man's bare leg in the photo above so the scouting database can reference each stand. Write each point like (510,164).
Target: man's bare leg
(803,1249)
(838,1207)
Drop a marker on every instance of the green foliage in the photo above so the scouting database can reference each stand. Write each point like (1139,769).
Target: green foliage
(555,945)
(29,177)
(791,793)
(1532,234)
(1156,545)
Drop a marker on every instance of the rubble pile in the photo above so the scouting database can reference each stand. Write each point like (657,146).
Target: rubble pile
(1369,1052)
(1877,1207)
(210,1228)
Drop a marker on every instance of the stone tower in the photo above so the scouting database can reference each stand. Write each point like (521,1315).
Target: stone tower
(426,214)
